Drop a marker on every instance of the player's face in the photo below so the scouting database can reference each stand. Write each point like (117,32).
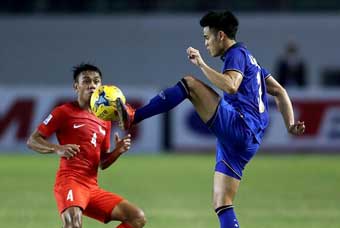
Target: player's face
(213,42)
(87,83)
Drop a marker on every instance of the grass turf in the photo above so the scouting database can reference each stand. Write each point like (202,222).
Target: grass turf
(175,191)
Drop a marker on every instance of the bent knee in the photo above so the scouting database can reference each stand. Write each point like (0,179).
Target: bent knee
(138,220)
(191,81)
(192,84)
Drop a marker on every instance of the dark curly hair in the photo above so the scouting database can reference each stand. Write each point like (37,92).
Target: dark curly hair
(78,69)
(224,21)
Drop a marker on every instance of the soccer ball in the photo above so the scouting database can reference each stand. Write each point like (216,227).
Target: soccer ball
(103,102)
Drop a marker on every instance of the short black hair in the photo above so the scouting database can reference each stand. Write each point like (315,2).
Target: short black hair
(225,21)
(78,69)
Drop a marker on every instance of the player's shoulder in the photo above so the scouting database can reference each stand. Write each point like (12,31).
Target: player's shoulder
(238,49)
(73,110)
(66,107)
(239,46)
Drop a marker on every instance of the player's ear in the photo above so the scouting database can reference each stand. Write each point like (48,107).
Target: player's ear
(75,86)
(221,35)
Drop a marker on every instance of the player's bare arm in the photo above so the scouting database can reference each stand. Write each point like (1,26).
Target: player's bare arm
(38,143)
(229,81)
(284,105)
(122,145)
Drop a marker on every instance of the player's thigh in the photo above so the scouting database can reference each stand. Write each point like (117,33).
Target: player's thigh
(224,189)
(72,217)
(203,97)
(71,194)
(229,126)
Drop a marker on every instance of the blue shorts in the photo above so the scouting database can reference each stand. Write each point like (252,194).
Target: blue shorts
(236,144)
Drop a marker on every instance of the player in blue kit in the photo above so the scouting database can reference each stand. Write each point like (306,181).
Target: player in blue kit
(238,118)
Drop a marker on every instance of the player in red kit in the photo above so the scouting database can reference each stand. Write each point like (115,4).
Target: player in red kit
(84,146)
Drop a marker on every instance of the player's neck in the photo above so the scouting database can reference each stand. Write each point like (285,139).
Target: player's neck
(229,43)
(85,105)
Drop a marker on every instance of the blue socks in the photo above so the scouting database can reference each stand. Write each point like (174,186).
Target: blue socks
(163,102)
(227,217)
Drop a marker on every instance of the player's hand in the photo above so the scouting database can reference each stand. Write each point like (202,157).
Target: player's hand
(67,151)
(195,56)
(122,145)
(297,128)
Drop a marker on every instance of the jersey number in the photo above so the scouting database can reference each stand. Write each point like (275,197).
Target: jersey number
(258,76)
(94,139)
(261,105)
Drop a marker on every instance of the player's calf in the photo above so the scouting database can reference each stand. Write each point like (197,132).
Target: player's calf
(162,102)
(185,84)
(227,216)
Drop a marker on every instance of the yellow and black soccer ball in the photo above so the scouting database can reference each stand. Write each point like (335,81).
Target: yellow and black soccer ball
(103,102)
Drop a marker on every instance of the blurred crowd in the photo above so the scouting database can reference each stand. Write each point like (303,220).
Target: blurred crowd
(108,6)
(291,68)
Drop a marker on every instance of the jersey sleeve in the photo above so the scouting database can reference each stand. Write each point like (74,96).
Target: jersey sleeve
(235,60)
(106,143)
(265,73)
(51,123)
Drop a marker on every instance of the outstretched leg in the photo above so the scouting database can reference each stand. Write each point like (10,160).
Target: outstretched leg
(204,99)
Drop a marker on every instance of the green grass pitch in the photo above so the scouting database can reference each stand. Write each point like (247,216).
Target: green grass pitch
(175,191)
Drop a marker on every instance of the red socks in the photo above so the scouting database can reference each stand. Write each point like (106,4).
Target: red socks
(124,225)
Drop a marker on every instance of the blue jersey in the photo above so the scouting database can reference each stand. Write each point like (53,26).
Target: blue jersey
(251,98)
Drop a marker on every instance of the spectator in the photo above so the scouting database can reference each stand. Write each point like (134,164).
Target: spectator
(291,70)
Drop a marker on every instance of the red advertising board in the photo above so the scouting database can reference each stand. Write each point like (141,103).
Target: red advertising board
(320,109)
(22,109)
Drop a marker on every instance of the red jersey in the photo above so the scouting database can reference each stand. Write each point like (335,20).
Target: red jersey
(74,125)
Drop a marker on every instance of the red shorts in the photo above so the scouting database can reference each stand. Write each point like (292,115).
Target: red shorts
(95,202)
